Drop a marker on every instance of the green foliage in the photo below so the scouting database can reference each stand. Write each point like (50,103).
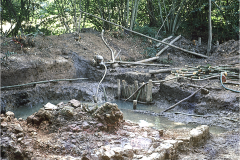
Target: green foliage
(149,52)
(184,17)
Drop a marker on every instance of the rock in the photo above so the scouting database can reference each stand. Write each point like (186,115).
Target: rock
(156,156)
(128,151)
(67,111)
(50,106)
(18,128)
(19,135)
(30,119)
(36,120)
(3,124)
(199,135)
(75,103)
(109,115)
(85,125)
(167,149)
(10,114)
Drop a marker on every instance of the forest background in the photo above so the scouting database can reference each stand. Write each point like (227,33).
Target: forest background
(155,18)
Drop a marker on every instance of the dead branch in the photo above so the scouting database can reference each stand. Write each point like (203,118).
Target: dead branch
(166,47)
(159,71)
(147,60)
(184,99)
(136,91)
(159,44)
(194,53)
(113,59)
(135,63)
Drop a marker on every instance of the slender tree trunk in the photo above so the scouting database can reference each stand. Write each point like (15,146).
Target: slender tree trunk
(80,16)
(209,30)
(133,14)
(127,13)
(160,9)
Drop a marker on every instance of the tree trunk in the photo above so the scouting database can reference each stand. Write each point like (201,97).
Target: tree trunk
(133,14)
(127,13)
(209,30)
(151,14)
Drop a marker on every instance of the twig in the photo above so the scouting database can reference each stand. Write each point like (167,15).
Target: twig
(194,53)
(184,99)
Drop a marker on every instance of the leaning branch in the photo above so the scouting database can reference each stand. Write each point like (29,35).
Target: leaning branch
(194,53)
(136,91)
(184,99)
(113,59)
(166,47)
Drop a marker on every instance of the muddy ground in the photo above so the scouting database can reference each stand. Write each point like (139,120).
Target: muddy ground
(68,56)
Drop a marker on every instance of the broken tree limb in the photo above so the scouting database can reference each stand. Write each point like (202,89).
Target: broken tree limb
(184,99)
(136,63)
(136,91)
(113,59)
(148,60)
(159,44)
(194,53)
(159,71)
(166,47)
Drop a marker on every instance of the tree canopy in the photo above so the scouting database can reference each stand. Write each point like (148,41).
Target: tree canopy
(155,18)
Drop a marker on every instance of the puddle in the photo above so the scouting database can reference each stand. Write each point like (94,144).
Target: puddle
(157,122)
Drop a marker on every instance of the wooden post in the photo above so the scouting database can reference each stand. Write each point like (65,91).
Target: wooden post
(124,92)
(135,88)
(134,104)
(149,91)
(217,44)
(199,41)
(119,89)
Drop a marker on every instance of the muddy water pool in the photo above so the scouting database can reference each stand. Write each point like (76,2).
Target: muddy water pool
(158,122)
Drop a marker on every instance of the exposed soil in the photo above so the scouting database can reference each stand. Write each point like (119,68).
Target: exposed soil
(66,57)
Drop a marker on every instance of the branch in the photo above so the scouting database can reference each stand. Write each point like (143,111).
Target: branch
(113,59)
(166,47)
(136,91)
(184,99)
(194,53)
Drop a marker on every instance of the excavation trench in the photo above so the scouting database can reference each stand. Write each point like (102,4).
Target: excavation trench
(26,100)
(198,110)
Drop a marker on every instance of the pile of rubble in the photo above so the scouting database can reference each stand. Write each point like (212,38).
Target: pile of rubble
(78,131)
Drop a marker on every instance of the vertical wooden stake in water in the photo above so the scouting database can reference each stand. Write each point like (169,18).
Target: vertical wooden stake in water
(134,104)
(149,91)
(135,88)
(199,41)
(124,88)
(119,89)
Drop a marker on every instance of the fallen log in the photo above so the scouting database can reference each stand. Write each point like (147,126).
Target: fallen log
(159,44)
(166,47)
(136,63)
(194,53)
(159,71)
(184,99)
(148,60)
